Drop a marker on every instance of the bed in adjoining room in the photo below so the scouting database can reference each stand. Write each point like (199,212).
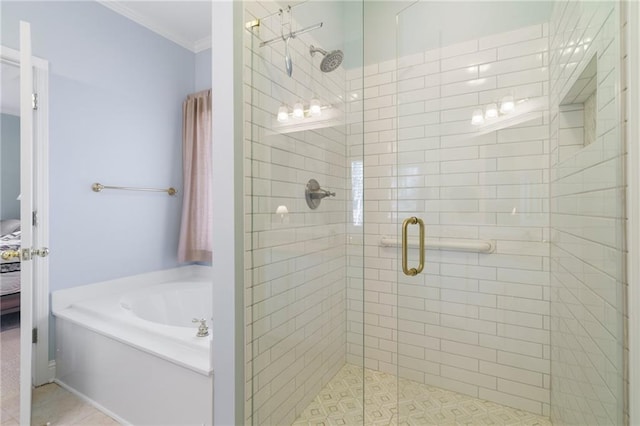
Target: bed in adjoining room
(9,269)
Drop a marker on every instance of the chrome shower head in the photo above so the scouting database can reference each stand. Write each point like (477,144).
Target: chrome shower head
(331,60)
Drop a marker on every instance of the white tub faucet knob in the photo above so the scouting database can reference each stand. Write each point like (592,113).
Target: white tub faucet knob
(203,330)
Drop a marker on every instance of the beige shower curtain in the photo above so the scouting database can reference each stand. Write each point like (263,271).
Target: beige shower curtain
(195,229)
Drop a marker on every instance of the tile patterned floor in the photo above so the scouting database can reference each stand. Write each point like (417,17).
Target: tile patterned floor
(340,403)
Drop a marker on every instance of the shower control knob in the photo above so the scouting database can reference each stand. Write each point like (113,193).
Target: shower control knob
(314,194)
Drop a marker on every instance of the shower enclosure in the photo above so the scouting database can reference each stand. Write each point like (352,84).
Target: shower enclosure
(493,128)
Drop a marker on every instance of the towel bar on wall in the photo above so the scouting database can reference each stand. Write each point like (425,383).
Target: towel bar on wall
(98,187)
(479,246)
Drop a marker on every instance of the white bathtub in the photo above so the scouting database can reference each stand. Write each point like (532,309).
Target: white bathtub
(130,348)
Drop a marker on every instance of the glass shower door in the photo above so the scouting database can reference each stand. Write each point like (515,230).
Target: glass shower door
(508,149)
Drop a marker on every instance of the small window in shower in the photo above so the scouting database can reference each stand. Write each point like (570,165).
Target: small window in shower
(357,192)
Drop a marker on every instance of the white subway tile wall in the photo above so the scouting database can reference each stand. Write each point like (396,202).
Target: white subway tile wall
(473,323)
(296,258)
(587,216)
(320,288)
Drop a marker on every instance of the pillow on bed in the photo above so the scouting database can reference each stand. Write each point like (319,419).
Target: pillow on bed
(7,226)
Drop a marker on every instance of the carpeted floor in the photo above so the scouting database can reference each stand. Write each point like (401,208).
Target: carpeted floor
(10,374)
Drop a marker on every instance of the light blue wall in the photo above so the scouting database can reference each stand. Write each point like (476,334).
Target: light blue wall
(116,92)
(203,70)
(10,164)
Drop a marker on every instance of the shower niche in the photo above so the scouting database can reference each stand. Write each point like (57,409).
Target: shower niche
(331,115)
(577,113)
(302,116)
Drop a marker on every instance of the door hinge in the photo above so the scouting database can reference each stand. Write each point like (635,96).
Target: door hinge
(34,218)
(34,101)
(34,335)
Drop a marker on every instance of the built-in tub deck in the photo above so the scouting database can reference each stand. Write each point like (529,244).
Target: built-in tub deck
(129,346)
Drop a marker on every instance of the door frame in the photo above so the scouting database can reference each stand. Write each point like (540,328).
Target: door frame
(43,371)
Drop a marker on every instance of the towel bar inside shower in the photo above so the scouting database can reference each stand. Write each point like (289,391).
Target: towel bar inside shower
(479,246)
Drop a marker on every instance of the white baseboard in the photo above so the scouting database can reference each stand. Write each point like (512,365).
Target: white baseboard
(91,402)
(52,371)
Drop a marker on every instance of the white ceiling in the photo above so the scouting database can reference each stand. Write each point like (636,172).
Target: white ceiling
(187,23)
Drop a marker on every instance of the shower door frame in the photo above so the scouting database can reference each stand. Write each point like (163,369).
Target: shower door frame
(633,204)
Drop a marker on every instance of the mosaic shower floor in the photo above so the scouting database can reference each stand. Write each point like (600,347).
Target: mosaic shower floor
(340,403)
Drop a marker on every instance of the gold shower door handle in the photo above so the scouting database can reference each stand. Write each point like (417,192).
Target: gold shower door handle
(405,246)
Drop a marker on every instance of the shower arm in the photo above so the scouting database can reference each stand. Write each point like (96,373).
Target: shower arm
(314,49)
(291,34)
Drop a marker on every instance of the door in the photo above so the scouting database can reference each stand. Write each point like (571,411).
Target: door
(34,189)
(26,220)
(515,165)
(18,247)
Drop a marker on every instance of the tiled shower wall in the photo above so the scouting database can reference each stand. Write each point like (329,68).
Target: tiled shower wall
(295,280)
(587,215)
(473,323)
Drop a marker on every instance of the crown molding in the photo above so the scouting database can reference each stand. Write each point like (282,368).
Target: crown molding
(150,24)
(202,44)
